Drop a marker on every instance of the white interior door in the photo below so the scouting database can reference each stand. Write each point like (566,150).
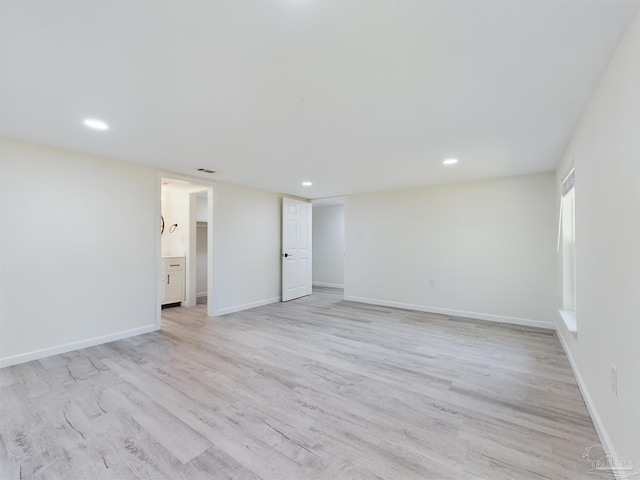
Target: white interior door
(296,249)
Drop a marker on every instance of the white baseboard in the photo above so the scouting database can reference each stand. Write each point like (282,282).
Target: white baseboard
(69,347)
(330,285)
(605,441)
(247,306)
(456,313)
(202,294)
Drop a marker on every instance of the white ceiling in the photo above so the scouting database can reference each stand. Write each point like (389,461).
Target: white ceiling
(354,95)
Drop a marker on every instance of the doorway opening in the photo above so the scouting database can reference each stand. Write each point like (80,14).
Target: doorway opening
(329,245)
(186,246)
(202,241)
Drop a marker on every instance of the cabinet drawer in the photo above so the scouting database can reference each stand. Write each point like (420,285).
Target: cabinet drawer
(172,264)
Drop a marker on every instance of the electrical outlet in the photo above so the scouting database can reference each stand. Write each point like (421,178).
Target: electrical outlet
(614,380)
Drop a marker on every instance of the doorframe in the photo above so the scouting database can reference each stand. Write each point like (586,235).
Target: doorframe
(212,244)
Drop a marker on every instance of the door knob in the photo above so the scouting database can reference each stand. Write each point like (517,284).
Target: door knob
(285,255)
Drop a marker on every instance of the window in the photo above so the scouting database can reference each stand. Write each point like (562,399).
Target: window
(567,241)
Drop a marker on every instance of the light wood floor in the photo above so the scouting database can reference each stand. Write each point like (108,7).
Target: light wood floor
(317,388)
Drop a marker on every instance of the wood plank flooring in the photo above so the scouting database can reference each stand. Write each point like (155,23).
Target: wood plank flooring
(317,388)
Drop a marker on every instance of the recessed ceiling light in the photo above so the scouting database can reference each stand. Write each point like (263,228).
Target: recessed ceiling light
(306,184)
(450,161)
(96,124)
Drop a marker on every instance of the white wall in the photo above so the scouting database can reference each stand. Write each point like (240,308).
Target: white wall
(248,239)
(605,149)
(480,249)
(328,245)
(78,250)
(175,210)
(202,214)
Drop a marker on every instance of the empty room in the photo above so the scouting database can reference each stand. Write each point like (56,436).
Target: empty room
(319,239)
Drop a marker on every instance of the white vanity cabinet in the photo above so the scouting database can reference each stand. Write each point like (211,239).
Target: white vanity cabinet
(173,270)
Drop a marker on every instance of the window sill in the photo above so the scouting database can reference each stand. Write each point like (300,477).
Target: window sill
(569,319)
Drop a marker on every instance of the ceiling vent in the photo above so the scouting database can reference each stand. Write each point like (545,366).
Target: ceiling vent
(206,170)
